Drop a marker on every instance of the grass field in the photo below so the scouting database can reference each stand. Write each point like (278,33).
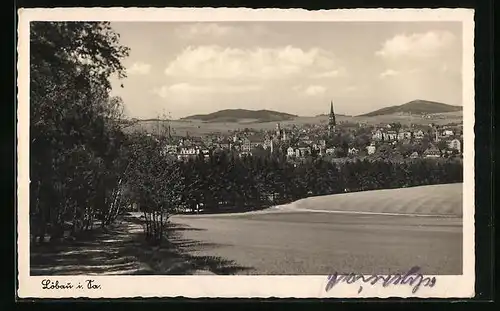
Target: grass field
(313,240)
(439,200)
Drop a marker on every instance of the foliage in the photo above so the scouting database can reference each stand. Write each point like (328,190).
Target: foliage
(154,183)
(76,150)
(226,182)
(442,145)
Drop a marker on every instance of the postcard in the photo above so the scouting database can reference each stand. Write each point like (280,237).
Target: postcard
(234,152)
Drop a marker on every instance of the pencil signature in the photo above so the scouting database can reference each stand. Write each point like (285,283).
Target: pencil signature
(411,278)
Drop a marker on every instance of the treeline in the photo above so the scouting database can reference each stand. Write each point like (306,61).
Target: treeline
(225,182)
(77,154)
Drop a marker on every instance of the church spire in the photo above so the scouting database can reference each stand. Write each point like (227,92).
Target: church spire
(331,120)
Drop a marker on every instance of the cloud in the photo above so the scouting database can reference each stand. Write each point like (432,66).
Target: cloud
(330,74)
(187,88)
(388,73)
(417,45)
(203,30)
(311,90)
(314,90)
(139,68)
(215,62)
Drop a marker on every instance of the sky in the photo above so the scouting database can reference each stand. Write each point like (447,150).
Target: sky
(180,69)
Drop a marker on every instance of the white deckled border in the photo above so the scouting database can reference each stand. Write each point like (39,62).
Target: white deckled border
(458,286)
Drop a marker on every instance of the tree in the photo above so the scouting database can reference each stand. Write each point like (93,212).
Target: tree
(442,145)
(75,137)
(361,141)
(405,149)
(396,126)
(384,151)
(155,183)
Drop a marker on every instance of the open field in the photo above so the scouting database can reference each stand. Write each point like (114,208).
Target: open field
(440,200)
(290,241)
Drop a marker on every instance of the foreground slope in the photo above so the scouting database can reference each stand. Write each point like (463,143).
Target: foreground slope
(319,242)
(439,200)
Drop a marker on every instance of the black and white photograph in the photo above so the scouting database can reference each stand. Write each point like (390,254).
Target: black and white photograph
(335,151)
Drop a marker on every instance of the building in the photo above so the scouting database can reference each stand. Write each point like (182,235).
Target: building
(352,151)
(330,150)
(267,143)
(290,152)
(331,121)
(205,153)
(244,154)
(418,134)
(455,144)
(302,151)
(404,135)
(169,149)
(280,134)
(436,135)
(251,142)
(378,135)
(447,133)
(432,152)
(390,135)
(371,149)
(414,155)
(247,145)
(187,153)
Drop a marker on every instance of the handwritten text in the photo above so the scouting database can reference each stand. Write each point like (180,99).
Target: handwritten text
(411,278)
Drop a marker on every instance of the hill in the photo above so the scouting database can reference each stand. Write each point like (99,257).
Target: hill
(438,200)
(239,115)
(418,107)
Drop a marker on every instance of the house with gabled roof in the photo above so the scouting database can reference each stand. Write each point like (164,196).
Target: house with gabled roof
(251,142)
(432,152)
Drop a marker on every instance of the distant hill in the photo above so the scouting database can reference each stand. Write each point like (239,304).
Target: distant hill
(418,107)
(237,115)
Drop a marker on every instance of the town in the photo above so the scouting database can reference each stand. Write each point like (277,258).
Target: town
(334,141)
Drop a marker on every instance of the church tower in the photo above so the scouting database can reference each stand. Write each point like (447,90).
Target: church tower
(331,121)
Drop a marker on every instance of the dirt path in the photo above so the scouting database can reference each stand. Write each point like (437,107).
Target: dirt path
(104,252)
